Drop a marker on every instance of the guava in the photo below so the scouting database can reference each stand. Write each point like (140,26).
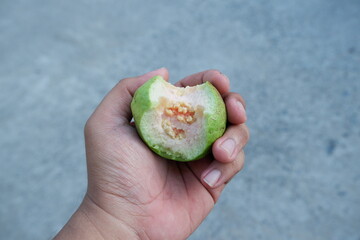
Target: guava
(178,123)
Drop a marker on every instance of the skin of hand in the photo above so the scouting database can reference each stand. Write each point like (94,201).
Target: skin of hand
(134,193)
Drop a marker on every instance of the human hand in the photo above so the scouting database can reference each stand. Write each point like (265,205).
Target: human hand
(134,193)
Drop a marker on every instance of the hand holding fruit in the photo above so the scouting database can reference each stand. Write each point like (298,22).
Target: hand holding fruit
(178,123)
(134,193)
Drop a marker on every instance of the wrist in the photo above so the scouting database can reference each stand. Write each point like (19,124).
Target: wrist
(92,222)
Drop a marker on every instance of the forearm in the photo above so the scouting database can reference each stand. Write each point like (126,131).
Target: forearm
(90,222)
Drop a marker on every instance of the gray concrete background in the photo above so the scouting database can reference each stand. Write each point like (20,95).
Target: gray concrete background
(297,63)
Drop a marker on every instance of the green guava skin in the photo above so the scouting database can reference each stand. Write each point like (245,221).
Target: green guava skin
(215,122)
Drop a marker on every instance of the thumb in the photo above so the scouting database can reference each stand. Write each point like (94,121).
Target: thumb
(114,109)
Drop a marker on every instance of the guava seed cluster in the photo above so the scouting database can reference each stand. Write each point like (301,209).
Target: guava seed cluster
(173,132)
(177,111)
(183,112)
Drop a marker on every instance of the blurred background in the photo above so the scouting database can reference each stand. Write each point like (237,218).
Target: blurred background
(297,64)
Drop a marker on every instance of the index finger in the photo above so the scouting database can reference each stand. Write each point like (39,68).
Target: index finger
(215,77)
(116,104)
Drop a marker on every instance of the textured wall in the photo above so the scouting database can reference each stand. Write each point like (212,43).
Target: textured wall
(297,63)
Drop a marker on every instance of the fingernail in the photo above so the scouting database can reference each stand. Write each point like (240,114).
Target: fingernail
(212,177)
(228,145)
(241,108)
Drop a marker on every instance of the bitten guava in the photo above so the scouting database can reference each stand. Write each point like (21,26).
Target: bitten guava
(178,123)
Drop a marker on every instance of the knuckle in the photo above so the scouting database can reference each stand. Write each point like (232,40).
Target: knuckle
(236,166)
(88,127)
(245,132)
(123,80)
(239,163)
(242,100)
(238,97)
(241,134)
